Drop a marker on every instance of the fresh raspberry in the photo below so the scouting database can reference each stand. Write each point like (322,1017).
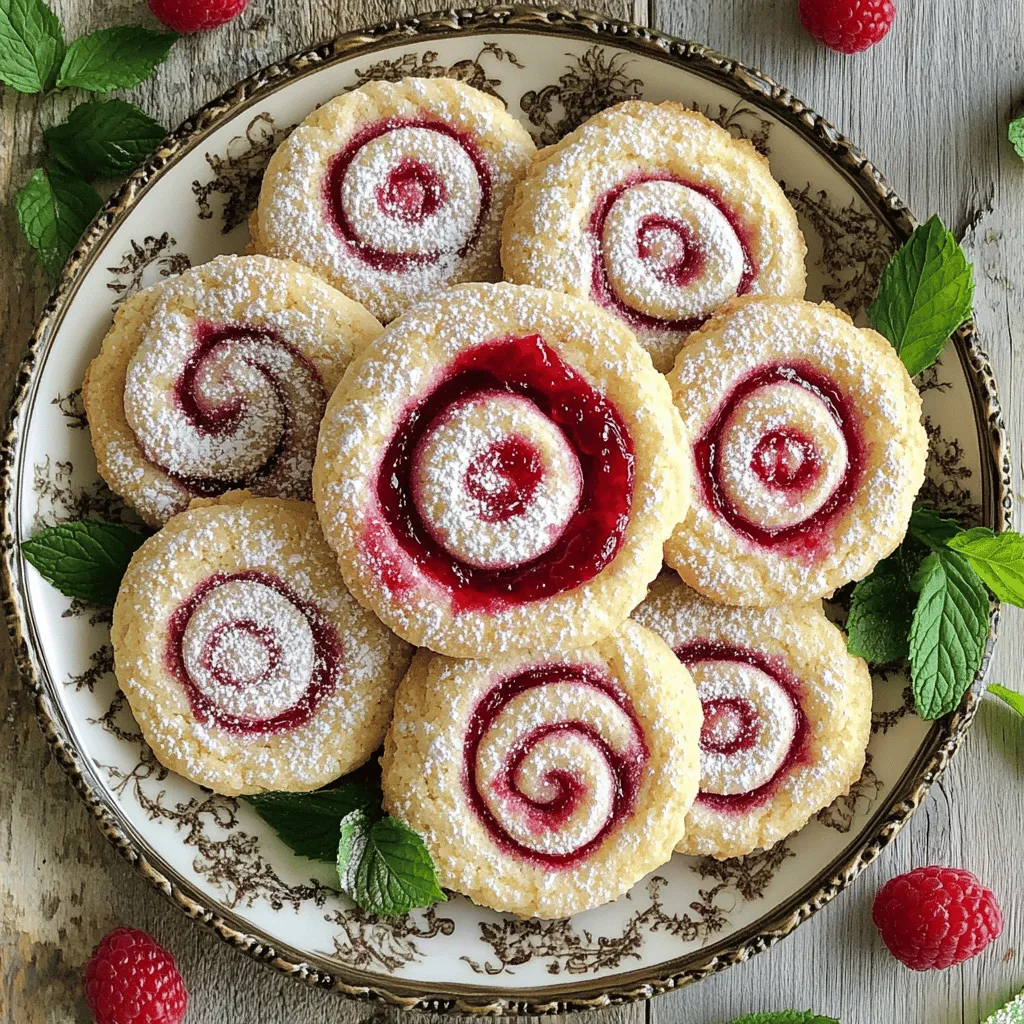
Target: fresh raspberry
(935,917)
(196,15)
(132,979)
(848,26)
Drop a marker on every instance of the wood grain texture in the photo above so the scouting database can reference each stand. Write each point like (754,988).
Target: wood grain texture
(930,105)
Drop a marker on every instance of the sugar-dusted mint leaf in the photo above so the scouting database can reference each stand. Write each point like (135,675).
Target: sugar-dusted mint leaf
(103,139)
(1011,1013)
(308,822)
(998,558)
(384,865)
(785,1017)
(84,559)
(54,208)
(881,610)
(948,632)
(932,528)
(31,45)
(925,294)
(1011,697)
(114,58)
(1016,133)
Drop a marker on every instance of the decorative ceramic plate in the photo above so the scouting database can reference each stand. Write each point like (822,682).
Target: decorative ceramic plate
(212,855)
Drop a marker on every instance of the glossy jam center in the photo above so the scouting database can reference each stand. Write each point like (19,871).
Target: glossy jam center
(411,191)
(565,789)
(504,478)
(732,725)
(260,649)
(682,268)
(669,245)
(784,459)
(592,427)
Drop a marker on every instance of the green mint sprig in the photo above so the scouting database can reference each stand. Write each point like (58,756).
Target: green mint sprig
(925,294)
(785,1017)
(943,573)
(1016,135)
(84,559)
(1010,697)
(98,140)
(1011,1013)
(383,865)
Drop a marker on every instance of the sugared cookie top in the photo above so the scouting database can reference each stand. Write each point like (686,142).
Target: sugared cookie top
(217,379)
(395,190)
(807,451)
(787,715)
(657,214)
(500,471)
(547,783)
(246,662)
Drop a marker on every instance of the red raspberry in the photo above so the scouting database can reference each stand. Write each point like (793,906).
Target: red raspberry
(132,979)
(196,15)
(848,26)
(935,917)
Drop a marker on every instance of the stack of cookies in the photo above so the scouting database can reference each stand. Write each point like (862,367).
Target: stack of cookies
(499,478)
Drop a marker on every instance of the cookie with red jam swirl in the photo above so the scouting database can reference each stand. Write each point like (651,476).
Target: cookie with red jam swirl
(546,783)
(787,715)
(499,471)
(395,190)
(807,450)
(217,380)
(246,662)
(657,214)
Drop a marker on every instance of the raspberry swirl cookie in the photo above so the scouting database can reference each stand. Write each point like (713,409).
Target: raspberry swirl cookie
(218,379)
(787,715)
(657,214)
(499,470)
(395,190)
(546,783)
(247,664)
(807,450)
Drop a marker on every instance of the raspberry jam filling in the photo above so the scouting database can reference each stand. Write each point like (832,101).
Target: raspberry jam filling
(784,459)
(260,347)
(567,791)
(243,654)
(685,267)
(672,247)
(411,192)
(733,724)
(593,534)
(504,478)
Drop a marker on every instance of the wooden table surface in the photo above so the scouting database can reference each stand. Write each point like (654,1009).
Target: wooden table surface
(930,105)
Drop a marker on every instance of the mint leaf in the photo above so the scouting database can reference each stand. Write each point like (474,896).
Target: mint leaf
(932,528)
(948,632)
(84,559)
(54,208)
(308,822)
(103,139)
(998,558)
(114,58)
(1011,1013)
(1011,697)
(881,610)
(925,295)
(1016,134)
(31,45)
(785,1017)
(384,865)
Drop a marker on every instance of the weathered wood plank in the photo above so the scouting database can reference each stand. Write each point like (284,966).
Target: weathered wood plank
(930,106)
